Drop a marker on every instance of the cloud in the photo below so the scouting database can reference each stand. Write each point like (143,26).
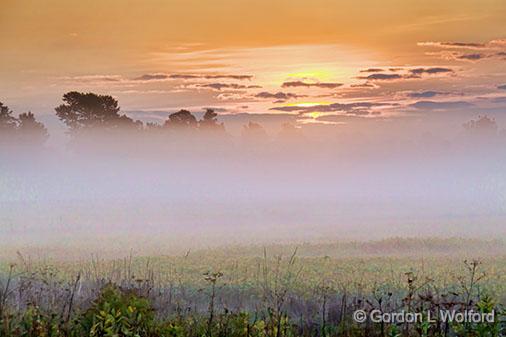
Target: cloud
(325,85)
(151,77)
(162,76)
(493,44)
(211,76)
(282,96)
(215,109)
(425,94)
(502,87)
(412,73)
(432,105)
(363,85)
(92,78)
(406,74)
(498,42)
(220,86)
(453,45)
(371,70)
(381,77)
(231,77)
(456,50)
(183,76)
(357,108)
(471,57)
(430,71)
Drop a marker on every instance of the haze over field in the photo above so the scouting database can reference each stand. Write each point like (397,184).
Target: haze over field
(192,190)
(339,122)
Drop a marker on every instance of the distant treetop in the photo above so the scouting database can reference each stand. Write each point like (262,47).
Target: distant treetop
(24,130)
(84,110)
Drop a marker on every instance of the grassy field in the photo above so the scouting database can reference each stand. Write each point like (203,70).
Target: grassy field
(278,290)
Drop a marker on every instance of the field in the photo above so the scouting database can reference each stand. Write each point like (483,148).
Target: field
(278,290)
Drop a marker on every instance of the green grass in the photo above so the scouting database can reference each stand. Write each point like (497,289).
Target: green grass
(306,290)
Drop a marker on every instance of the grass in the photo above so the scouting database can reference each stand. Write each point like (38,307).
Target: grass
(276,291)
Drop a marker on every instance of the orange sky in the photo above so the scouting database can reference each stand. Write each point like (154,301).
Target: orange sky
(305,57)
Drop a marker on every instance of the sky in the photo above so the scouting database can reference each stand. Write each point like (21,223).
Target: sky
(327,62)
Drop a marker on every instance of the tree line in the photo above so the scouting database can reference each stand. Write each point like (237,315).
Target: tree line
(81,112)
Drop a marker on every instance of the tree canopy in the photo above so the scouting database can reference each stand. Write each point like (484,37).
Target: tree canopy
(24,130)
(210,121)
(30,130)
(7,121)
(182,119)
(85,110)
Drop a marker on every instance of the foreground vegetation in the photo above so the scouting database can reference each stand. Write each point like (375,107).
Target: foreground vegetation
(248,293)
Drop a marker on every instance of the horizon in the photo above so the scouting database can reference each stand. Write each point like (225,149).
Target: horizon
(330,64)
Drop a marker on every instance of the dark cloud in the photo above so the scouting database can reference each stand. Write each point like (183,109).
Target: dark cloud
(425,94)
(371,70)
(283,96)
(310,85)
(471,57)
(411,74)
(463,44)
(381,77)
(220,86)
(462,50)
(431,105)
(183,76)
(231,77)
(363,85)
(430,71)
(456,45)
(151,77)
(215,109)
(502,87)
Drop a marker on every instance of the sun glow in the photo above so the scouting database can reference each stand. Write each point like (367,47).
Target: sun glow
(315,75)
(315,114)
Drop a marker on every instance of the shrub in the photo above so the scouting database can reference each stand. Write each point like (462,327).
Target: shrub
(118,313)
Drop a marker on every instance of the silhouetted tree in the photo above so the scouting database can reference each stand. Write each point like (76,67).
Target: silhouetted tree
(181,119)
(24,130)
(30,131)
(8,125)
(210,121)
(88,110)
(7,121)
